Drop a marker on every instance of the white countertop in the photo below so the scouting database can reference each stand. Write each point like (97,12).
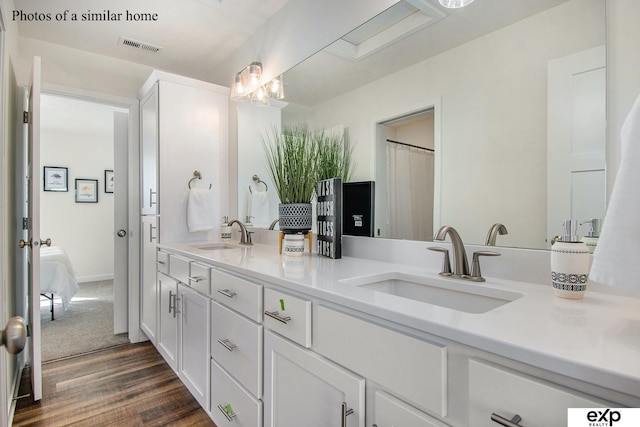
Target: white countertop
(595,340)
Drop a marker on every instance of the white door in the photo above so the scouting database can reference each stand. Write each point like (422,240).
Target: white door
(32,240)
(120,221)
(576,127)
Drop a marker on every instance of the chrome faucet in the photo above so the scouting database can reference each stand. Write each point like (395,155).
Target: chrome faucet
(461,265)
(493,233)
(273,224)
(245,236)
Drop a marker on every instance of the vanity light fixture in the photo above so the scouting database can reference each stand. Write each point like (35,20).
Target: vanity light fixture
(455,4)
(247,85)
(246,81)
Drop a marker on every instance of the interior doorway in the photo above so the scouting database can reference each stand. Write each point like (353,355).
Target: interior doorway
(406,164)
(77,213)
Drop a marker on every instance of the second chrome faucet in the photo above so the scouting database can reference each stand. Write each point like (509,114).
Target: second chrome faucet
(461,265)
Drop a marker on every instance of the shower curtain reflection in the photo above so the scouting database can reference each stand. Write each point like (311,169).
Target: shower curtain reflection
(410,192)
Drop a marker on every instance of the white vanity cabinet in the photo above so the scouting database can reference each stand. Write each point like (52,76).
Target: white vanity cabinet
(148,286)
(305,389)
(193,342)
(236,350)
(149,151)
(167,342)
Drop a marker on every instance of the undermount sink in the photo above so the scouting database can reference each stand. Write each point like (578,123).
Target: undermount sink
(215,246)
(444,292)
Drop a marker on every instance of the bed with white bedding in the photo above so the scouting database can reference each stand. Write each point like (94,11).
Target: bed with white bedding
(57,276)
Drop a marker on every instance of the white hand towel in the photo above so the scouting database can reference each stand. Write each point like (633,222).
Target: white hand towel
(201,210)
(616,259)
(259,208)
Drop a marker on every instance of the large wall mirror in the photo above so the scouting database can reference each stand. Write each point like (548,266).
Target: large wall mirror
(504,100)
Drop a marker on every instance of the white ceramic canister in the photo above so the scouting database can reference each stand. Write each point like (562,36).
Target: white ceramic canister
(293,244)
(569,269)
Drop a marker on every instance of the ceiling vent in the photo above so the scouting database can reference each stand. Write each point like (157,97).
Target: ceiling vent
(125,41)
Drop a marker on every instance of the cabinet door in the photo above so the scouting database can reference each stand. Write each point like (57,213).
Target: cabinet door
(304,389)
(168,325)
(390,412)
(498,390)
(194,344)
(149,290)
(149,151)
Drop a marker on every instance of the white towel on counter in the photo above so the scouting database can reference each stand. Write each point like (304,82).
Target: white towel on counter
(616,259)
(201,210)
(259,208)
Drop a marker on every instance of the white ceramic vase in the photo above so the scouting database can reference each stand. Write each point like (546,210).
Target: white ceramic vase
(293,244)
(569,269)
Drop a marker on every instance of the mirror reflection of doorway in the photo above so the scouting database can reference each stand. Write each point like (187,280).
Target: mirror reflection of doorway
(77,212)
(409,152)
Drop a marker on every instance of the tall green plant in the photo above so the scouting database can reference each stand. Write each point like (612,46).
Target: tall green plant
(334,156)
(291,154)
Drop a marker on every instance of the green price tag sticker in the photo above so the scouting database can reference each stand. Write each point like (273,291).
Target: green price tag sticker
(282,304)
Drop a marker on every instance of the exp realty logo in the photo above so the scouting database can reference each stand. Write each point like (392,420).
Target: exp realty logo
(603,417)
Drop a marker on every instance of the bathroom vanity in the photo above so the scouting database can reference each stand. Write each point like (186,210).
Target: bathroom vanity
(264,339)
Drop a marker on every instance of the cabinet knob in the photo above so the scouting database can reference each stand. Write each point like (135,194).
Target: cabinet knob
(513,422)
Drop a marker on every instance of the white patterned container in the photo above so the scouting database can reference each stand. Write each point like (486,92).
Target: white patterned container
(569,269)
(293,244)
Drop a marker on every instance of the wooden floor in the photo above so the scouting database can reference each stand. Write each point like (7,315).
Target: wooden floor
(129,385)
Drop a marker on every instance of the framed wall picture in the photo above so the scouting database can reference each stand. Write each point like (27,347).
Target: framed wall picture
(55,178)
(86,190)
(108,181)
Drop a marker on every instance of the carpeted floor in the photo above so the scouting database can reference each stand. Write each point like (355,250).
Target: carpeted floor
(86,326)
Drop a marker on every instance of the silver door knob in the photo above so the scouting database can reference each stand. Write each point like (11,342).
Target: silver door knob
(22,244)
(14,335)
(46,242)
(121,233)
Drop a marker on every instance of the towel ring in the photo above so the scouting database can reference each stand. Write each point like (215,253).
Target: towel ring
(196,175)
(257,180)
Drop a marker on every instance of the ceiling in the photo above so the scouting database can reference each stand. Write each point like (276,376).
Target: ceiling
(196,36)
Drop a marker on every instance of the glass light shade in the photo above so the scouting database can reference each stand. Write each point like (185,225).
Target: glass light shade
(276,88)
(238,90)
(260,97)
(254,71)
(454,4)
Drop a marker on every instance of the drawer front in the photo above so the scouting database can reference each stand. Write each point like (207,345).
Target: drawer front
(499,390)
(389,412)
(230,404)
(179,268)
(236,344)
(238,294)
(288,315)
(386,357)
(162,262)
(200,278)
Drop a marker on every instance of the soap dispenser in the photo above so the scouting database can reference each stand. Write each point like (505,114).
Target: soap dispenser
(570,261)
(591,239)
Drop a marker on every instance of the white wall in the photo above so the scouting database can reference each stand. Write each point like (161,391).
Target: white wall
(255,123)
(83,230)
(479,83)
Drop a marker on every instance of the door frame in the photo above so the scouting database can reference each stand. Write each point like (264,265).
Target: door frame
(132,104)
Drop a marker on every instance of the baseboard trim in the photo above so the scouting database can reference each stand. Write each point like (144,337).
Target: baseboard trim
(99,278)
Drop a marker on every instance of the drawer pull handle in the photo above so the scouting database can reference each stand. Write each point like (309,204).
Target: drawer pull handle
(345,413)
(227,293)
(513,422)
(227,411)
(196,279)
(151,193)
(275,315)
(160,262)
(227,344)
